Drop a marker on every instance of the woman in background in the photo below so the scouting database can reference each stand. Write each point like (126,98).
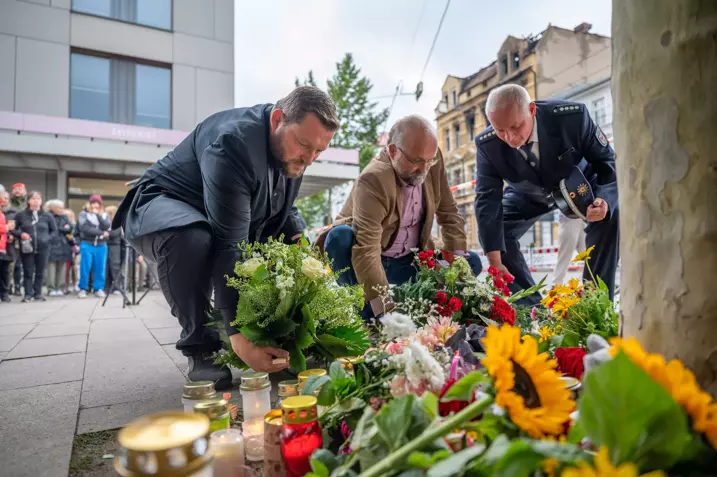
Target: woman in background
(94,227)
(73,266)
(113,284)
(60,248)
(34,228)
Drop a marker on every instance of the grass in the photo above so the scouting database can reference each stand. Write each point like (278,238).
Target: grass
(87,452)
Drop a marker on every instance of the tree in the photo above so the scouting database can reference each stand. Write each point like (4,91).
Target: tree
(663,76)
(360,121)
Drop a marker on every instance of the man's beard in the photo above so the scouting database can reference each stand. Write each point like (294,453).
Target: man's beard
(414,179)
(278,151)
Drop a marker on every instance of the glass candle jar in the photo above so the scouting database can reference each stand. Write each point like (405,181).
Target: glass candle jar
(195,391)
(306,374)
(255,392)
(300,434)
(273,461)
(171,444)
(287,389)
(227,446)
(217,410)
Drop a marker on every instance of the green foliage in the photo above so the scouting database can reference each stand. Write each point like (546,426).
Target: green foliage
(315,209)
(593,314)
(308,81)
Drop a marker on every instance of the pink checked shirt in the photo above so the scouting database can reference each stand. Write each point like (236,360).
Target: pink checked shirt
(409,230)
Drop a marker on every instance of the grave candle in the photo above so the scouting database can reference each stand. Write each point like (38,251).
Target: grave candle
(227,445)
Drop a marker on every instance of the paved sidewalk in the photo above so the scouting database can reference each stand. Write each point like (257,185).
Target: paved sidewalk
(70,366)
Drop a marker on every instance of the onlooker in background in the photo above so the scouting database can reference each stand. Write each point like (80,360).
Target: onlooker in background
(17,203)
(571,237)
(60,248)
(12,253)
(73,266)
(94,229)
(114,256)
(6,226)
(34,228)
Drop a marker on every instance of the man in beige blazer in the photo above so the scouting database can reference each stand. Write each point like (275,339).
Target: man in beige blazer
(389,214)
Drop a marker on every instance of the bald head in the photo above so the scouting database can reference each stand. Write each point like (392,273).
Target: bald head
(510,112)
(412,146)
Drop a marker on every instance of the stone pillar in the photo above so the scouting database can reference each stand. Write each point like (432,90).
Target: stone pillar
(664,80)
(62,185)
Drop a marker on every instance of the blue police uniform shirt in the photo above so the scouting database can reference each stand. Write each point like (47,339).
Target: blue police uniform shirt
(567,137)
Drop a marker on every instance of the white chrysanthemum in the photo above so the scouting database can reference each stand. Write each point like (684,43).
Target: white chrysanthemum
(397,325)
(421,366)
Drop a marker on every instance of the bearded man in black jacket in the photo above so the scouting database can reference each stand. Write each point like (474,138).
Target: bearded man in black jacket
(233,179)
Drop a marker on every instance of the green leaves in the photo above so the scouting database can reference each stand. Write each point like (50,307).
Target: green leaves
(521,458)
(429,401)
(297,360)
(393,421)
(313,383)
(463,389)
(260,274)
(630,413)
(456,463)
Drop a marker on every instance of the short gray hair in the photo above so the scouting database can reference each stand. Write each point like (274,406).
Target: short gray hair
(398,130)
(50,204)
(309,99)
(507,95)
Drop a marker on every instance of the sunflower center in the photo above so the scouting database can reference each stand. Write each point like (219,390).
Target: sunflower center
(524,387)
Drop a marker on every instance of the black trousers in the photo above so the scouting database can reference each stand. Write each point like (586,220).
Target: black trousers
(17,270)
(5,278)
(520,213)
(34,265)
(185,258)
(114,268)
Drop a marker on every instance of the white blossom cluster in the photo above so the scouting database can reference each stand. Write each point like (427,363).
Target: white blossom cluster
(420,367)
(396,325)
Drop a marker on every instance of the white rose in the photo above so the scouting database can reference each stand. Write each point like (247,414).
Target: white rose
(312,268)
(248,268)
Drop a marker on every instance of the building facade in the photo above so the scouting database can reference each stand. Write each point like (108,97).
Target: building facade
(92,92)
(554,61)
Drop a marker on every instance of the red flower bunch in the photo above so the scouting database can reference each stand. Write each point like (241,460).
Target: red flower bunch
(501,311)
(501,281)
(570,361)
(445,408)
(445,306)
(427,258)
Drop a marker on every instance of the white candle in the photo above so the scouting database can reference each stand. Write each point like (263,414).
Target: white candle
(254,432)
(227,445)
(253,427)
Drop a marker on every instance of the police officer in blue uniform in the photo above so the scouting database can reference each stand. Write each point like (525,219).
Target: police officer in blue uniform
(534,148)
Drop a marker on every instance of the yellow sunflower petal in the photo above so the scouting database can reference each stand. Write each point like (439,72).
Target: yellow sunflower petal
(582,256)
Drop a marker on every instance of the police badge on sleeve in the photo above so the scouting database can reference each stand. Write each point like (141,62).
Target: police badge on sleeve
(602,139)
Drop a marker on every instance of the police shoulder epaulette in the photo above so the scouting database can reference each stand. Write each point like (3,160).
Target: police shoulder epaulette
(567,109)
(486,136)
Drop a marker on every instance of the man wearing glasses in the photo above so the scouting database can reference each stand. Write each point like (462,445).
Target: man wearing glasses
(390,212)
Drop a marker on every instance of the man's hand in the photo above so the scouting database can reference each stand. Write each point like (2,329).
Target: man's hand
(25,236)
(597,211)
(259,358)
(140,259)
(448,256)
(11,225)
(106,234)
(494,261)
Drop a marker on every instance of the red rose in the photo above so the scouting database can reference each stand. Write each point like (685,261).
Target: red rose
(506,291)
(444,311)
(492,271)
(455,303)
(501,311)
(430,263)
(508,278)
(429,253)
(499,284)
(441,298)
(570,361)
(422,256)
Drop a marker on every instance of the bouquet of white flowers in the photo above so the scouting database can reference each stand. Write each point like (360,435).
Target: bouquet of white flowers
(289,298)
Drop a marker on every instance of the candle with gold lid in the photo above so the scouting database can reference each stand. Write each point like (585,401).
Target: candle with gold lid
(300,435)
(306,374)
(167,444)
(273,460)
(217,410)
(287,389)
(255,396)
(195,391)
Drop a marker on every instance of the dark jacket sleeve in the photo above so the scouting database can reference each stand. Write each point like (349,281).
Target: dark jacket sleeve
(87,228)
(52,226)
(602,159)
(488,203)
(295,224)
(19,219)
(228,177)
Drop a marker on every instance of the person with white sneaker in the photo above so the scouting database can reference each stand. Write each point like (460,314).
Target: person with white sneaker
(94,226)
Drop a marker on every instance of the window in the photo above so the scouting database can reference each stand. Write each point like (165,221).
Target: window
(599,113)
(457,179)
(445,99)
(447,133)
(504,65)
(119,91)
(473,172)
(471,124)
(454,97)
(457,129)
(152,13)
(516,61)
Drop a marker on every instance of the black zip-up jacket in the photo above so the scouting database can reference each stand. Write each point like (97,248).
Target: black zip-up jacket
(41,232)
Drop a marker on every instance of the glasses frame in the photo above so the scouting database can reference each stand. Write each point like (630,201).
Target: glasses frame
(418,162)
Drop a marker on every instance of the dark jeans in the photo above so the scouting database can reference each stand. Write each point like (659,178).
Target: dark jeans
(338,245)
(114,268)
(17,270)
(5,278)
(520,213)
(34,265)
(185,258)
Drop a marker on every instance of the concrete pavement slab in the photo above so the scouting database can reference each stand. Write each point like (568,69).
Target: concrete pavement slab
(166,336)
(24,373)
(45,330)
(160,322)
(101,418)
(19,329)
(36,436)
(48,346)
(102,312)
(22,318)
(179,359)
(8,342)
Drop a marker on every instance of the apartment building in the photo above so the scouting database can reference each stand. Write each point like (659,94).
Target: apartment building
(547,64)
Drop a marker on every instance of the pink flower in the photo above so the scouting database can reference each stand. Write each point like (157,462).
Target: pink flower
(394,348)
(534,314)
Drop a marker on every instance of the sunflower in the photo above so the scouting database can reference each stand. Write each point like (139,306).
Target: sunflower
(526,383)
(677,380)
(602,467)
(583,256)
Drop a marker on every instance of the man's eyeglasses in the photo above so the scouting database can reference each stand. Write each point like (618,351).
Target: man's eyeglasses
(418,161)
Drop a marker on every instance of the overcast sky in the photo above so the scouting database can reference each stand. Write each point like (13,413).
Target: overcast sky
(277,40)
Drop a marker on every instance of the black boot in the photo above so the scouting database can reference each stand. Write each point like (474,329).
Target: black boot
(202,368)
